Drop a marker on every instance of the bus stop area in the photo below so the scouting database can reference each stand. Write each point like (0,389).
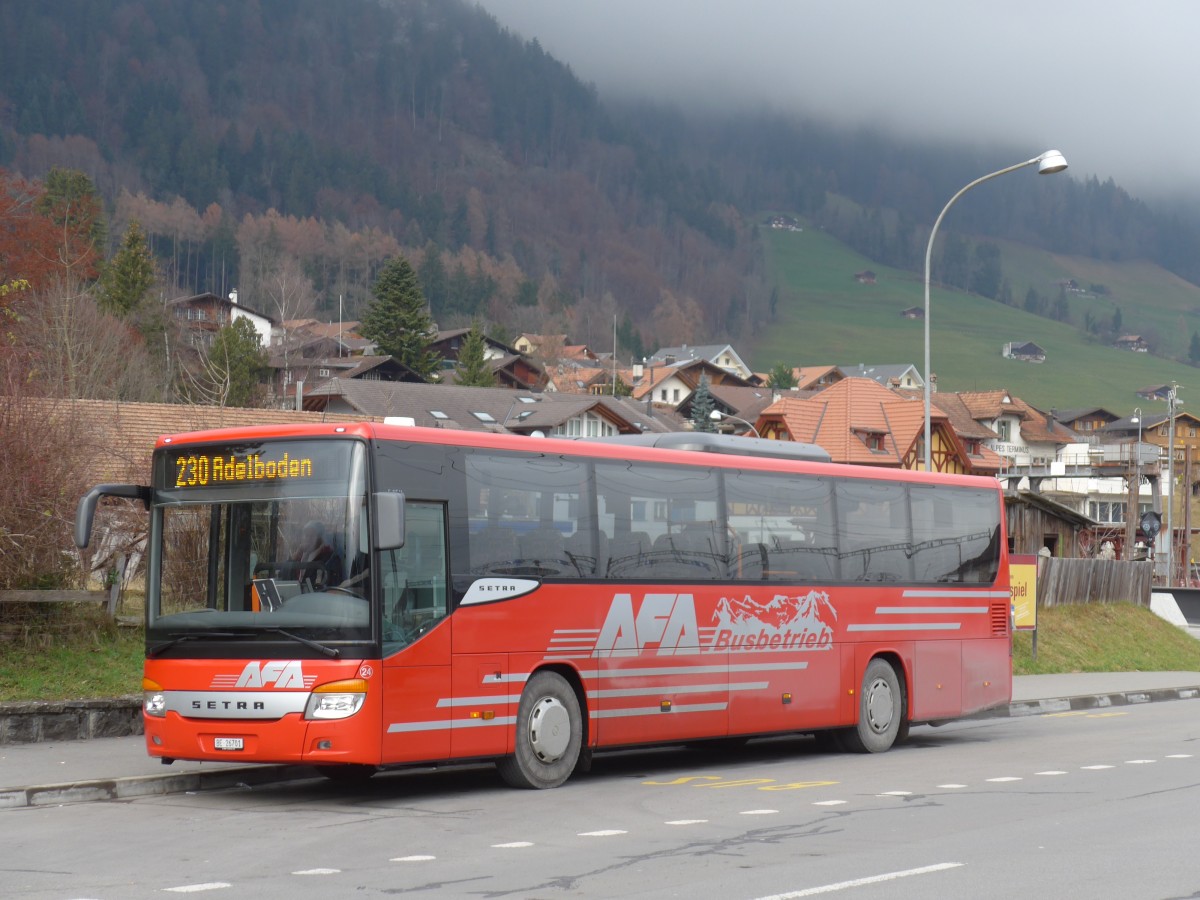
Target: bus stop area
(118,768)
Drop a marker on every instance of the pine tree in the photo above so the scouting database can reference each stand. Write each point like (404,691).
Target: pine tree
(702,407)
(398,320)
(1194,350)
(782,377)
(473,368)
(236,365)
(128,275)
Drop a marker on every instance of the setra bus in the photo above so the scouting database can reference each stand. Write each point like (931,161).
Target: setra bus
(368,595)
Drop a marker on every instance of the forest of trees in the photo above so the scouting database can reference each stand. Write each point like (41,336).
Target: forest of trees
(288,148)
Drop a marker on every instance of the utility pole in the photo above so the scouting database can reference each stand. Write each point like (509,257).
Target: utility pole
(1172,403)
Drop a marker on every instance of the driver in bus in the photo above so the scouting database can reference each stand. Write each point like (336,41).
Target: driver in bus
(320,565)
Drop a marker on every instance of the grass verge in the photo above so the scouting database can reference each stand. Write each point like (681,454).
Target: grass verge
(90,658)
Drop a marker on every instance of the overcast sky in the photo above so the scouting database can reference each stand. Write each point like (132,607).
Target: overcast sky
(1110,83)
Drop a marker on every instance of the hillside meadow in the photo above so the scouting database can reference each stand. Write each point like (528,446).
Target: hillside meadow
(824,316)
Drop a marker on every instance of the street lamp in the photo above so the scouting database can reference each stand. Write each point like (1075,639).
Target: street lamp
(1173,403)
(1048,163)
(716,415)
(1135,489)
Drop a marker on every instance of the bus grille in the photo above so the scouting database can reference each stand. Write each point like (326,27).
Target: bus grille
(1000,618)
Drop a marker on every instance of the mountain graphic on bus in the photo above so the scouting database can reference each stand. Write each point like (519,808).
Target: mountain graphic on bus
(783,623)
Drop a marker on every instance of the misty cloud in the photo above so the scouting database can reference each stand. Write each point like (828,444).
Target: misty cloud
(1105,82)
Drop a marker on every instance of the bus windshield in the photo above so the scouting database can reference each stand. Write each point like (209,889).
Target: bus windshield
(262,537)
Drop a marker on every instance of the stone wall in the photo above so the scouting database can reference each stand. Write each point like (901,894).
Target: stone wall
(69,720)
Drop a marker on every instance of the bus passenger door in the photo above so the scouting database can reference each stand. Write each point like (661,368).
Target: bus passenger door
(416,640)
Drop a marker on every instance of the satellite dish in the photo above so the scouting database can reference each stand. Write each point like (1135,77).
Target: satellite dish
(1151,524)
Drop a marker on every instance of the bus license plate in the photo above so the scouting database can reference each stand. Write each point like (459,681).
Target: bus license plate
(227,743)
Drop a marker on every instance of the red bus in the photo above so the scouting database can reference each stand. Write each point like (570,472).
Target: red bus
(360,596)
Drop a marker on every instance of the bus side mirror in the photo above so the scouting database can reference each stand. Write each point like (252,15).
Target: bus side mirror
(85,512)
(389,520)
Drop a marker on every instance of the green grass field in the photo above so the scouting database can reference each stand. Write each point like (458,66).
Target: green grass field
(826,317)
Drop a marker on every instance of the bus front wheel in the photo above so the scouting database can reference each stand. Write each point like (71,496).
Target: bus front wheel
(881,711)
(549,734)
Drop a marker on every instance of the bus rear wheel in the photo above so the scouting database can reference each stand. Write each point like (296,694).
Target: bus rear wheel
(549,734)
(880,711)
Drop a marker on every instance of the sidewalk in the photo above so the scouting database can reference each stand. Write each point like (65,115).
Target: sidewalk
(49,773)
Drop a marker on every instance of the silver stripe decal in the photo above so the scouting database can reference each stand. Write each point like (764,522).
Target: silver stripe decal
(657,711)
(930,610)
(958,594)
(235,704)
(446,702)
(407,727)
(696,670)
(682,689)
(919,626)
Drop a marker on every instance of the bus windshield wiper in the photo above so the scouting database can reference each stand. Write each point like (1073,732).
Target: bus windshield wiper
(331,652)
(178,638)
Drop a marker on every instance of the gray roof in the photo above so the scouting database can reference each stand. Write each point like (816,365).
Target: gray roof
(884,373)
(479,409)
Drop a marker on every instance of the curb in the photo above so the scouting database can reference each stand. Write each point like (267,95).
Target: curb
(251,776)
(150,785)
(1087,701)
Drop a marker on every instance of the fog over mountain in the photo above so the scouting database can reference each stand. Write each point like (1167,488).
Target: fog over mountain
(1104,81)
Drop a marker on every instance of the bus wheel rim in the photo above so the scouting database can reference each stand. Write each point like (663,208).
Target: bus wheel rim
(549,730)
(880,708)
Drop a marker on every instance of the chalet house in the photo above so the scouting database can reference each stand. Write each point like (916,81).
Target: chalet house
(866,276)
(913,312)
(1155,392)
(1025,351)
(201,316)
(901,375)
(720,355)
(1134,342)
(814,378)
(509,367)
(862,422)
(1085,421)
(1026,437)
(672,385)
(533,344)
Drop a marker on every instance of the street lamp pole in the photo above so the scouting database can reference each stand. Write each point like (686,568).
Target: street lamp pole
(716,415)
(1172,403)
(1048,163)
(1135,489)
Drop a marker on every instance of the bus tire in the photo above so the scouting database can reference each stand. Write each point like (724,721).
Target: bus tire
(549,734)
(880,710)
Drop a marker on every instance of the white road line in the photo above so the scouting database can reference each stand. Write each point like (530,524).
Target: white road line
(1052,772)
(610,832)
(950,787)
(687,822)
(895,794)
(412,859)
(830,802)
(1179,756)
(758,812)
(1096,768)
(859,882)
(197,888)
(1138,762)
(1006,778)
(513,845)
(318,872)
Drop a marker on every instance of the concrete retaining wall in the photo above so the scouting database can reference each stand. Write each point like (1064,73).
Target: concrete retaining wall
(69,720)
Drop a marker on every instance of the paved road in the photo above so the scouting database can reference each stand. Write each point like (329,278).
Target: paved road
(118,768)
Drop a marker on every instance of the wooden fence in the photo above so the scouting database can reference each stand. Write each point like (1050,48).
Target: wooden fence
(110,597)
(1063,581)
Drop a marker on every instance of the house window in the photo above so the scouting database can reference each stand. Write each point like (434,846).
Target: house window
(1004,430)
(438,414)
(484,417)
(323,373)
(675,396)
(662,395)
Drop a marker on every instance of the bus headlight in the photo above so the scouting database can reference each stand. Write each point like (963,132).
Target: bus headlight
(154,701)
(336,700)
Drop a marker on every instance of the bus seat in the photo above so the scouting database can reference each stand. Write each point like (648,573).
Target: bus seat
(543,550)
(627,555)
(493,550)
(588,551)
(800,561)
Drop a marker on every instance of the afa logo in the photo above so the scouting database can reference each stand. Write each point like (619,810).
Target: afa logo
(667,624)
(278,673)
